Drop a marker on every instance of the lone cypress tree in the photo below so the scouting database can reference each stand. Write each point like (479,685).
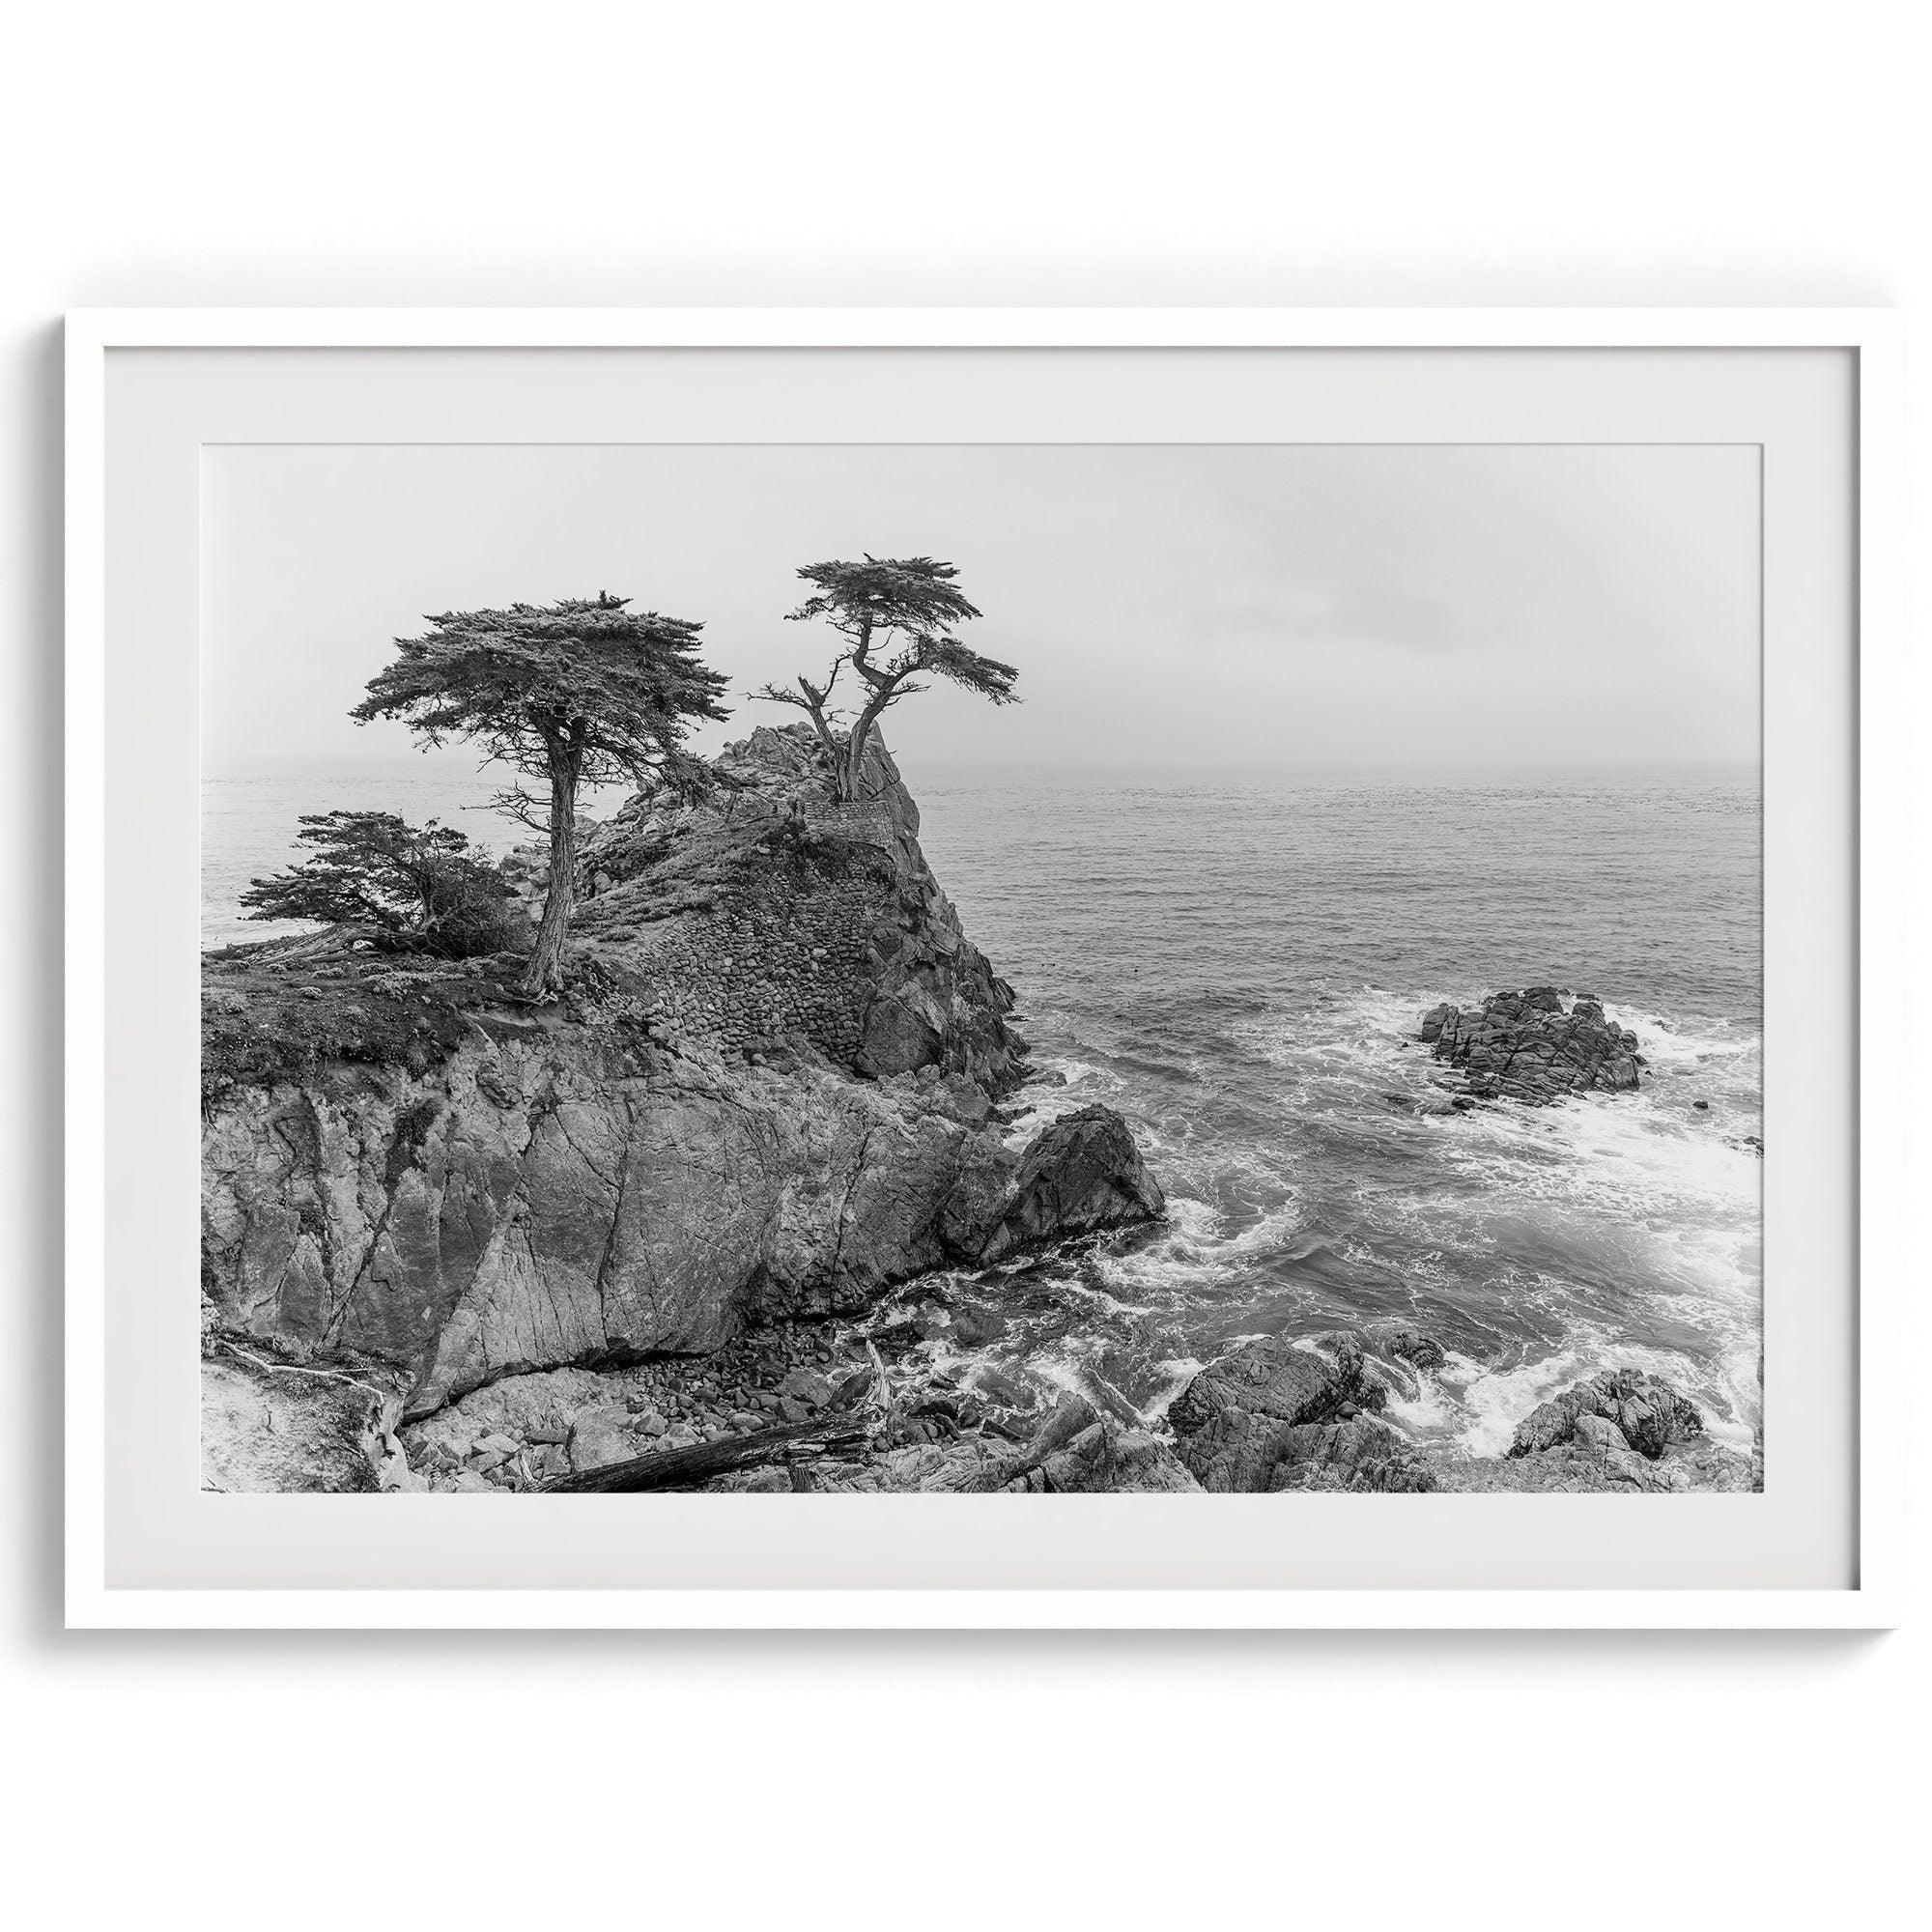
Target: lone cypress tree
(894,615)
(580,692)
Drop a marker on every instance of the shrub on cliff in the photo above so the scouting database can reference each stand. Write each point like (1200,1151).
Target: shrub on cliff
(893,617)
(403,888)
(580,692)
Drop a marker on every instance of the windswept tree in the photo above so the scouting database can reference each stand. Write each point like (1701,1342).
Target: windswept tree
(396,887)
(582,692)
(894,618)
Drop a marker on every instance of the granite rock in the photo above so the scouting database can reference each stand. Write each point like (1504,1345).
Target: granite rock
(1530,1046)
(1639,1409)
(1623,1429)
(1080,1173)
(1235,1425)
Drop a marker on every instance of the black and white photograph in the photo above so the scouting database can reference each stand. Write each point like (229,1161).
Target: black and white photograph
(966,965)
(996,969)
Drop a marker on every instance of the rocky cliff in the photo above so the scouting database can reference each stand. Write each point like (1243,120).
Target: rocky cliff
(774,1089)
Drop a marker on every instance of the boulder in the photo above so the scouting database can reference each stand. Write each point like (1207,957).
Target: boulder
(1528,1047)
(1234,1424)
(1353,1454)
(1622,1408)
(899,1038)
(1079,1173)
(1404,1343)
(1624,1429)
(602,1436)
(1107,1457)
(806,1386)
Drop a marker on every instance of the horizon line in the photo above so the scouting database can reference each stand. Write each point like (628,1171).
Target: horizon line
(325,765)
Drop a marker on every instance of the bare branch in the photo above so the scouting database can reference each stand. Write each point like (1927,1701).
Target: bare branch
(524,806)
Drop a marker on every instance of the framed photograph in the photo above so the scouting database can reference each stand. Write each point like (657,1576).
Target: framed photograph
(984,968)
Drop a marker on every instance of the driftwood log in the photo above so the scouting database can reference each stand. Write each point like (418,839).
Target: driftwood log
(685,1468)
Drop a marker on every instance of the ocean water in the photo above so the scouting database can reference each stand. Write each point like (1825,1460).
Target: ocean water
(1236,963)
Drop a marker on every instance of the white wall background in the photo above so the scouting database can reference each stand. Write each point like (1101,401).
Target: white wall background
(835,153)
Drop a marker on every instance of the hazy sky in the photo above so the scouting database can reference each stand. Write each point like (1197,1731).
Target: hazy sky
(1290,605)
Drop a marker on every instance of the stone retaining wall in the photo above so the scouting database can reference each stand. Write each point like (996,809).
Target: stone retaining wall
(785,952)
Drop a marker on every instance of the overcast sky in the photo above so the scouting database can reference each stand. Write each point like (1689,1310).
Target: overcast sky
(1302,607)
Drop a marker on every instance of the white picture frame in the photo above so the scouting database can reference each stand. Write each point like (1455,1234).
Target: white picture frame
(1871,1594)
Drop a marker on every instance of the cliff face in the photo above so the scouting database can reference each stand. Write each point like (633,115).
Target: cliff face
(770,1093)
(771,914)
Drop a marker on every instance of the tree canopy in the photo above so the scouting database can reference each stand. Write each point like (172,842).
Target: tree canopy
(610,688)
(894,616)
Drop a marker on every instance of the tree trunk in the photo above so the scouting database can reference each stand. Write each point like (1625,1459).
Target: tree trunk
(853,771)
(545,974)
(687,1469)
(815,707)
(854,760)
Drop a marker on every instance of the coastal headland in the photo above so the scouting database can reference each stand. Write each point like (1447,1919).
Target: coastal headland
(647,1234)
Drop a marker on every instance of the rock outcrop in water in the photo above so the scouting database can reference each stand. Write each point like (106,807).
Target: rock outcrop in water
(1081,1174)
(771,1093)
(1528,1047)
(1636,1410)
(1278,1414)
(1621,1429)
